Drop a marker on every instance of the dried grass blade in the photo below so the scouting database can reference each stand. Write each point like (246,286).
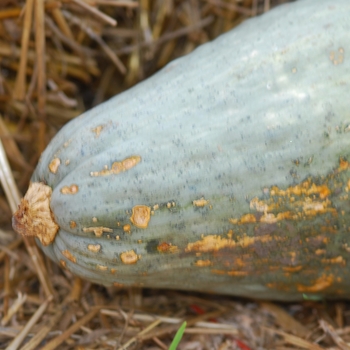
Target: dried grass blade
(11,246)
(327,328)
(40,59)
(19,90)
(143,332)
(21,299)
(10,145)
(118,3)
(46,328)
(54,343)
(294,340)
(286,321)
(62,23)
(7,180)
(33,320)
(96,12)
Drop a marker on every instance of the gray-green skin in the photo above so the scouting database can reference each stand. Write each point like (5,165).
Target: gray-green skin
(264,105)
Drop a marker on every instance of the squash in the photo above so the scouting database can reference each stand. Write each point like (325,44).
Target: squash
(226,172)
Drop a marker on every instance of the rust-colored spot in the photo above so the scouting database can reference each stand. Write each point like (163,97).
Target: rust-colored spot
(258,205)
(118,167)
(247,219)
(141,215)
(292,268)
(113,271)
(202,202)
(269,218)
(97,130)
(127,228)
(203,263)
(129,257)
(165,247)
(319,285)
(218,272)
(215,242)
(278,286)
(101,267)
(337,260)
(343,164)
(72,189)
(72,224)
(98,231)
(54,165)
(95,248)
(34,216)
(63,263)
(320,251)
(237,273)
(69,256)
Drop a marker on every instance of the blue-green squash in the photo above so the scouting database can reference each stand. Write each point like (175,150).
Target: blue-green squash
(226,172)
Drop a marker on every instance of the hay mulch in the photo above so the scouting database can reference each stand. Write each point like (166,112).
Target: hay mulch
(57,59)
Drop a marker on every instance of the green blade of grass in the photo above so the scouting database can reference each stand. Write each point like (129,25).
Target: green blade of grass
(178,337)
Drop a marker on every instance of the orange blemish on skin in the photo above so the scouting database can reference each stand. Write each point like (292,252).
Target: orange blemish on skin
(98,231)
(259,205)
(165,247)
(319,285)
(212,243)
(343,164)
(292,268)
(237,273)
(247,218)
(63,263)
(118,167)
(337,260)
(203,263)
(305,188)
(129,257)
(54,165)
(72,189)
(97,130)
(72,224)
(230,273)
(127,228)
(95,248)
(101,267)
(200,202)
(141,215)
(69,256)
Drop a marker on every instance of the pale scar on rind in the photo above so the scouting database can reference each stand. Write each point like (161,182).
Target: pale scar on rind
(72,189)
(118,167)
(141,215)
(54,165)
(69,256)
(202,202)
(129,257)
(98,231)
